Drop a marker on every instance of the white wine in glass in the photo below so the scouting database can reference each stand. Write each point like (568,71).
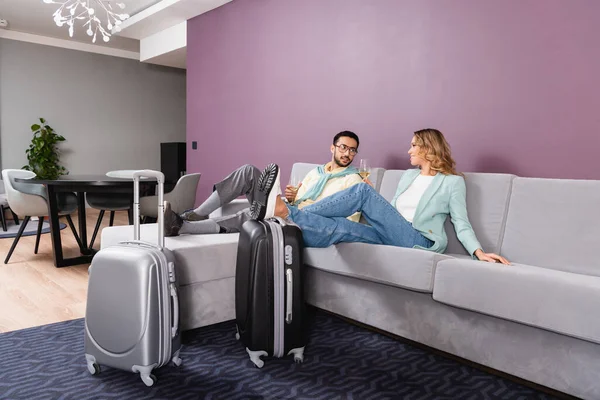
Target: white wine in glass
(294,183)
(364,170)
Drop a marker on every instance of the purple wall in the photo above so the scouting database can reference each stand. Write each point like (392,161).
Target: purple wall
(514,85)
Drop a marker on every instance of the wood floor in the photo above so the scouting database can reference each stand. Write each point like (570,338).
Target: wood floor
(33,291)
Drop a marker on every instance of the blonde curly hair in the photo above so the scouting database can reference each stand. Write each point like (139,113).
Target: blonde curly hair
(435,149)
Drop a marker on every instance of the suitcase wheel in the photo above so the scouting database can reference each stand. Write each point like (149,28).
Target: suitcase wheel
(255,357)
(92,365)
(298,354)
(145,373)
(148,380)
(94,368)
(176,359)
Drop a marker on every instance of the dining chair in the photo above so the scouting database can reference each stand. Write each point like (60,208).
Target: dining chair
(182,197)
(31,200)
(4,206)
(109,202)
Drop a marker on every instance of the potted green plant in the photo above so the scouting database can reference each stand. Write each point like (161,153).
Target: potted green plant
(43,154)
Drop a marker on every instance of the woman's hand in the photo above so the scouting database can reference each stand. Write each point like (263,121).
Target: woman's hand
(490,257)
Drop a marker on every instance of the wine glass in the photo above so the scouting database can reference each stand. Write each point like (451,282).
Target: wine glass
(364,170)
(294,182)
(293,185)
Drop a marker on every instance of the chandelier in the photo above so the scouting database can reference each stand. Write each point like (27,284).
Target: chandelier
(89,11)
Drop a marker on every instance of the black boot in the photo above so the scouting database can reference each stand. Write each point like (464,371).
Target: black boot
(269,188)
(173,222)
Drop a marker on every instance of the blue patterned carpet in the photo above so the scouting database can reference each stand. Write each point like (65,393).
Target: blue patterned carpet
(342,361)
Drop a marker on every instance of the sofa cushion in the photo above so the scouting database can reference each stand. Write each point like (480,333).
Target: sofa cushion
(199,258)
(487,206)
(376,177)
(397,266)
(389,183)
(554,223)
(558,301)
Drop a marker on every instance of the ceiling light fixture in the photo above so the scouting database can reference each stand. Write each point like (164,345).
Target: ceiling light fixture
(90,11)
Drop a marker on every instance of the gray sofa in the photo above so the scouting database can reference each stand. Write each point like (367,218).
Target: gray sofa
(537,319)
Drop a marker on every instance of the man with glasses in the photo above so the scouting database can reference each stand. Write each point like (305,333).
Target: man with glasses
(321,182)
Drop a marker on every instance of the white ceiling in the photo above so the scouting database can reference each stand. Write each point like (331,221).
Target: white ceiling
(35,16)
(165,14)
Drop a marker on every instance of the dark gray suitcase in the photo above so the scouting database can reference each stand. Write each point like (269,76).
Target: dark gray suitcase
(270,311)
(132,312)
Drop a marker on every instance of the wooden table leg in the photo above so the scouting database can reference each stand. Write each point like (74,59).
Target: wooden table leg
(82,223)
(54,227)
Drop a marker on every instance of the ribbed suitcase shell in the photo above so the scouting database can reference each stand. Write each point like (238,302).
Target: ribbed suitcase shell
(132,311)
(269,297)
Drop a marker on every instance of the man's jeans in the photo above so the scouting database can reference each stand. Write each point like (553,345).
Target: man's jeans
(324,223)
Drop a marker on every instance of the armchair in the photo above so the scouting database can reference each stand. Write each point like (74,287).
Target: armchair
(4,206)
(30,199)
(182,197)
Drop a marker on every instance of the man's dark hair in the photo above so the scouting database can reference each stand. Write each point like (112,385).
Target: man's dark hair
(349,134)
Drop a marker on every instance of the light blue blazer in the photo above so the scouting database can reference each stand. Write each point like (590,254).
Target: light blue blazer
(446,195)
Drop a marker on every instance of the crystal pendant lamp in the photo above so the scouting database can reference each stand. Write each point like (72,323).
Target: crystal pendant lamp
(91,13)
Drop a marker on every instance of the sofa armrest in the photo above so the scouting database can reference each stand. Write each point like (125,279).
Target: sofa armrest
(230,208)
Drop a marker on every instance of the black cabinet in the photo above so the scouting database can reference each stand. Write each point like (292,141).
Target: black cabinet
(172,162)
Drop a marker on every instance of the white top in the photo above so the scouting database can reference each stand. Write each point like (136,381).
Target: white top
(407,202)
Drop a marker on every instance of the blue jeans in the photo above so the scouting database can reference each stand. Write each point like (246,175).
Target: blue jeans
(324,223)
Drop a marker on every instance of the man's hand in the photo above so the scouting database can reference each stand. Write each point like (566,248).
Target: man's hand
(290,192)
(490,257)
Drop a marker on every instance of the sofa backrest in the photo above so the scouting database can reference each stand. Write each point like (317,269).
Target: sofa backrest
(487,205)
(376,177)
(488,198)
(554,223)
(299,170)
(389,183)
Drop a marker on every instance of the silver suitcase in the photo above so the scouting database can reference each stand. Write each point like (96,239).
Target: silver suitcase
(132,312)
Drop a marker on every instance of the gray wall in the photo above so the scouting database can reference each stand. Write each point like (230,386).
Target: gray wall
(114,112)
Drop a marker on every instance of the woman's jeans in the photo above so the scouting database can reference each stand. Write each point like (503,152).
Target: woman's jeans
(324,223)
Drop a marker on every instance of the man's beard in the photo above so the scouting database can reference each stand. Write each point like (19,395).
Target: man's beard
(340,162)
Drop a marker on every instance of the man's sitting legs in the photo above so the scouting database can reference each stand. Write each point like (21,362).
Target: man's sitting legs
(240,182)
(243,181)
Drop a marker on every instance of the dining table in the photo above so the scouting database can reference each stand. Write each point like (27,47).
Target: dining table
(80,185)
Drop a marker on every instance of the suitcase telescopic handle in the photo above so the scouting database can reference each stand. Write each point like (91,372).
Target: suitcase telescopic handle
(160,177)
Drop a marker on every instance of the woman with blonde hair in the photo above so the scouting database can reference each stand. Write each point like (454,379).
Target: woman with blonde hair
(415,217)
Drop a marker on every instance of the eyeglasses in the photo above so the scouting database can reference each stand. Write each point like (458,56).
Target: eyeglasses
(343,148)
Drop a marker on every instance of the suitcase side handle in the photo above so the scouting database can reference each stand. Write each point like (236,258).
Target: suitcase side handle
(160,177)
(175,327)
(289,281)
